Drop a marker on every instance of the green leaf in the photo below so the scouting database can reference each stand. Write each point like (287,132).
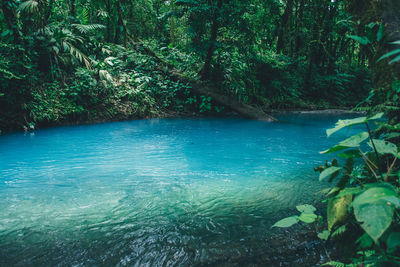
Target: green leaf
(396,59)
(396,42)
(364,241)
(393,240)
(287,222)
(392,135)
(396,86)
(306,208)
(355,140)
(345,123)
(370,25)
(342,229)
(375,193)
(373,212)
(308,217)
(361,39)
(374,219)
(333,149)
(334,263)
(328,171)
(337,211)
(349,191)
(381,33)
(376,116)
(350,154)
(392,200)
(384,147)
(324,235)
(391,53)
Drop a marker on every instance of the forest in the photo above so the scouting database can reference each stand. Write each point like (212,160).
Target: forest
(74,62)
(68,61)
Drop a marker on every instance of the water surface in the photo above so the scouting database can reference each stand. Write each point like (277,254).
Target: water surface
(160,192)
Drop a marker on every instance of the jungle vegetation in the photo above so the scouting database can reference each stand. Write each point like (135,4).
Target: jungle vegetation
(83,61)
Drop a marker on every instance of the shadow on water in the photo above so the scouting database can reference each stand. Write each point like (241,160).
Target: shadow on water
(174,192)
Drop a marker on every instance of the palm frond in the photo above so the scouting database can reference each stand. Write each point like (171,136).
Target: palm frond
(102,13)
(75,52)
(30,6)
(84,29)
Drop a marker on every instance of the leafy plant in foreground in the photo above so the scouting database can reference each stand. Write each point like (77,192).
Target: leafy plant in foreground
(307,215)
(366,197)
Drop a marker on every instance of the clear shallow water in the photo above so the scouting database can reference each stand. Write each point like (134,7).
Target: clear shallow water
(162,192)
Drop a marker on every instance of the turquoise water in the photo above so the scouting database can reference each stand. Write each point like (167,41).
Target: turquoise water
(160,192)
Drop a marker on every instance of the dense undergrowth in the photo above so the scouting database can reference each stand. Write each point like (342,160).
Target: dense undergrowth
(123,83)
(82,60)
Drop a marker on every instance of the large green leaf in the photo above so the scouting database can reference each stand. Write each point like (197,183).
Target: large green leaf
(393,200)
(393,240)
(394,60)
(361,39)
(337,211)
(364,241)
(381,33)
(308,217)
(353,153)
(306,208)
(353,141)
(376,116)
(328,172)
(376,192)
(340,124)
(373,212)
(384,147)
(349,191)
(324,235)
(345,123)
(391,53)
(374,218)
(287,222)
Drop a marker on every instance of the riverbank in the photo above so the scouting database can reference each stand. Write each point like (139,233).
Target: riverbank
(29,126)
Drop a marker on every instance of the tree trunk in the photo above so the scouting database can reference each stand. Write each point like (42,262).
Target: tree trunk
(120,26)
(299,26)
(314,47)
(283,25)
(109,11)
(205,72)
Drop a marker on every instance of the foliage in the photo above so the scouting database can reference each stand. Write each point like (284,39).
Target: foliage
(369,198)
(259,52)
(307,215)
(395,53)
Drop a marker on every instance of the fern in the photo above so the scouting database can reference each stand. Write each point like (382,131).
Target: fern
(339,231)
(84,29)
(30,6)
(102,13)
(334,263)
(75,52)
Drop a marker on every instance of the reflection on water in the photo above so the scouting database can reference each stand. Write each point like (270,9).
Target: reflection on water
(172,192)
